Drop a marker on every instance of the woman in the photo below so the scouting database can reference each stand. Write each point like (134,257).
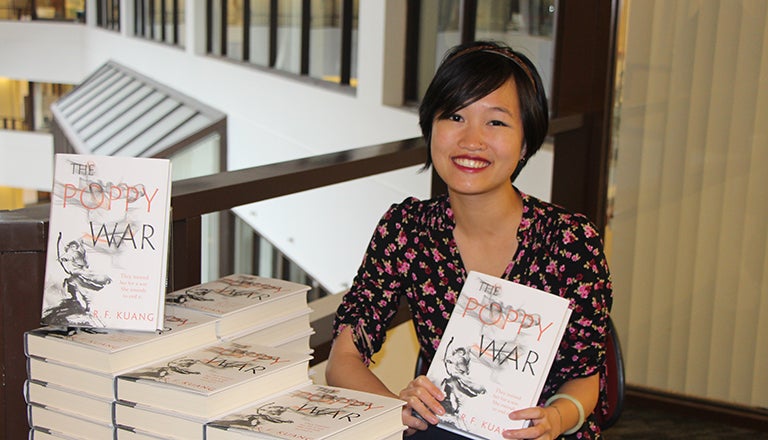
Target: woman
(483,116)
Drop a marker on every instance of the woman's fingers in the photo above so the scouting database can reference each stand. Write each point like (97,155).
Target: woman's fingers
(422,397)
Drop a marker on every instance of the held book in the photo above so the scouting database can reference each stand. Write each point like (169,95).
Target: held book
(314,412)
(108,351)
(242,301)
(214,379)
(496,353)
(107,243)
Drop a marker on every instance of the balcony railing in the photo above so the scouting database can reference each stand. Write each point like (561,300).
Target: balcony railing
(23,241)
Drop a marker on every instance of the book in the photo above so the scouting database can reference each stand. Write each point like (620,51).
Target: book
(143,420)
(107,255)
(314,412)
(290,328)
(52,420)
(126,433)
(166,423)
(108,351)
(242,301)
(47,434)
(299,343)
(94,383)
(214,379)
(94,408)
(496,353)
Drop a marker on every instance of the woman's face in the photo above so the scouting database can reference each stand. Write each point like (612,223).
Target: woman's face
(476,149)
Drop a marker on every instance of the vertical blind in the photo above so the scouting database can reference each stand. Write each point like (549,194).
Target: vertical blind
(688,233)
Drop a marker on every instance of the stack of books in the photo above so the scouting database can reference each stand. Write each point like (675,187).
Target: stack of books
(269,311)
(176,398)
(73,372)
(314,412)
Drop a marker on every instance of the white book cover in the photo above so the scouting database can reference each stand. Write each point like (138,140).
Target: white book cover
(214,379)
(241,301)
(496,353)
(107,253)
(110,351)
(315,412)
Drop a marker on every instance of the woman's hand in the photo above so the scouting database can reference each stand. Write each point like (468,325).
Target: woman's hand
(422,407)
(545,423)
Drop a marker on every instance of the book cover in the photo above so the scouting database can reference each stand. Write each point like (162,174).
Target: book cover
(109,351)
(496,353)
(214,379)
(313,412)
(241,301)
(107,243)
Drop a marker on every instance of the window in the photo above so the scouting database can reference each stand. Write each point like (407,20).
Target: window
(434,27)
(160,20)
(108,14)
(315,38)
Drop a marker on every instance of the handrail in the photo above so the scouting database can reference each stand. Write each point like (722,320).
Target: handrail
(216,192)
(191,198)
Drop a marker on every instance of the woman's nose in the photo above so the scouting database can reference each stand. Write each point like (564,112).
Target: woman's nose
(472,138)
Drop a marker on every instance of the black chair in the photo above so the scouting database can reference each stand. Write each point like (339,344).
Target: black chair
(614,362)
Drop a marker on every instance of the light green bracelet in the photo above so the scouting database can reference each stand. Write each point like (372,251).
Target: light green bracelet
(579,407)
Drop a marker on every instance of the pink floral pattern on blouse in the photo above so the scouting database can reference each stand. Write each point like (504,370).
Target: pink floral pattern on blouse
(413,253)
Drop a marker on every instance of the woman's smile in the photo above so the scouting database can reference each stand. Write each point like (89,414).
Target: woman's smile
(470,163)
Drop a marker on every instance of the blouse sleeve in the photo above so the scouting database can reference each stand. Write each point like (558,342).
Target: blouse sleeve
(587,284)
(374,297)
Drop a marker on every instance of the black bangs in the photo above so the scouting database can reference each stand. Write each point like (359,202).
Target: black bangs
(469,79)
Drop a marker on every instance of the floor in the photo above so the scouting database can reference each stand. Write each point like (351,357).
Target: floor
(645,423)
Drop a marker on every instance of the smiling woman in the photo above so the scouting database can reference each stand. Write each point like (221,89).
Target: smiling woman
(483,116)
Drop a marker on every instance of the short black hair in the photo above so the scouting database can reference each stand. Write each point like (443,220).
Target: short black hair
(473,70)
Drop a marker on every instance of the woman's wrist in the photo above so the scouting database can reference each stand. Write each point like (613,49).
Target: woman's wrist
(559,429)
(576,403)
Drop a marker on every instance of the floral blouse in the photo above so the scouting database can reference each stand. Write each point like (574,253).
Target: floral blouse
(413,253)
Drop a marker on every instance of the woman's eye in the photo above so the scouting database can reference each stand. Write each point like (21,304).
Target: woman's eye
(497,123)
(454,117)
